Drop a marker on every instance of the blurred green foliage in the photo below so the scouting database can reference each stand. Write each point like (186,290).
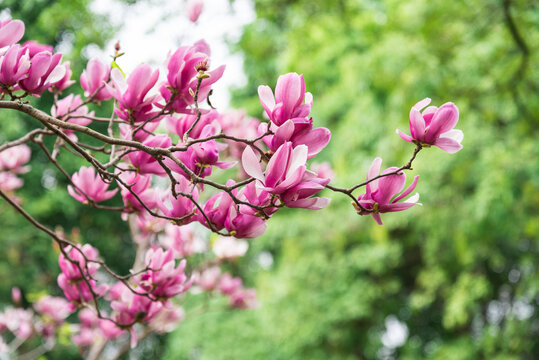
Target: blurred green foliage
(460,272)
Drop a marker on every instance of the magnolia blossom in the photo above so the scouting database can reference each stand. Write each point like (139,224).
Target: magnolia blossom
(288,100)
(11,31)
(181,205)
(194,9)
(76,284)
(434,126)
(286,175)
(182,239)
(180,125)
(134,103)
(167,319)
(298,131)
(93,78)
(66,81)
(55,308)
(243,299)
(9,182)
(208,279)
(229,284)
(17,320)
(14,158)
(164,279)
(146,163)
(71,108)
(34,47)
(89,186)
(45,70)
(183,66)
(14,65)
(241,222)
(229,248)
(383,194)
(140,185)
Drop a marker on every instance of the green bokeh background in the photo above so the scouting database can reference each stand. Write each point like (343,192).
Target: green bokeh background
(461,272)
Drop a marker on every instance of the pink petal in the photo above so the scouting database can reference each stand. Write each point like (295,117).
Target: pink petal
(444,120)
(404,136)
(448,145)
(251,164)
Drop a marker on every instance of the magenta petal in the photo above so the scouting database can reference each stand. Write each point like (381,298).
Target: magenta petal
(388,186)
(251,164)
(404,136)
(283,134)
(316,140)
(11,33)
(377,217)
(408,190)
(315,203)
(277,165)
(417,124)
(448,145)
(266,98)
(444,120)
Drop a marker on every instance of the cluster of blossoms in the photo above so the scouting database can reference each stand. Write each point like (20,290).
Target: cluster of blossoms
(163,152)
(43,320)
(13,162)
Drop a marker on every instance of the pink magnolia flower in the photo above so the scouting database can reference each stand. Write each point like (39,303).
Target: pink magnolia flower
(34,47)
(16,296)
(70,108)
(91,185)
(243,299)
(229,248)
(9,182)
(382,195)
(434,126)
(208,279)
(299,131)
(240,223)
(127,131)
(181,77)
(194,9)
(66,81)
(129,308)
(181,205)
(140,185)
(288,101)
(180,125)
(14,66)
(286,175)
(13,159)
(11,31)
(71,280)
(167,319)
(45,70)
(229,284)
(134,103)
(284,170)
(182,239)
(200,157)
(146,163)
(94,77)
(88,330)
(19,321)
(55,308)
(148,226)
(164,279)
